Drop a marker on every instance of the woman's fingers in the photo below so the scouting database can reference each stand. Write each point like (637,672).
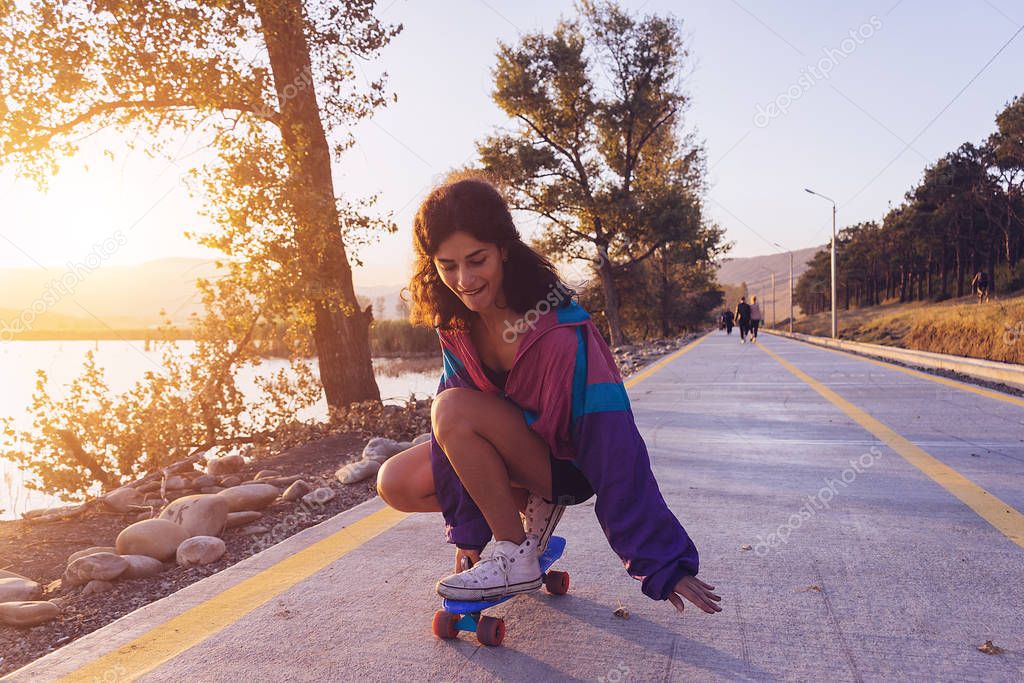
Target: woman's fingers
(698,596)
(677,601)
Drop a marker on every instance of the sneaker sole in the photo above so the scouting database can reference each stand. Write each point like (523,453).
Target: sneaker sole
(485,594)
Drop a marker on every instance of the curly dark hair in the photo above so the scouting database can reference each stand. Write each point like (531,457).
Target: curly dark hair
(475,206)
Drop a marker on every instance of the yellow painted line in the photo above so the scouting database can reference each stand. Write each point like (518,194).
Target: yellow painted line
(980,391)
(1003,517)
(195,625)
(637,378)
(169,639)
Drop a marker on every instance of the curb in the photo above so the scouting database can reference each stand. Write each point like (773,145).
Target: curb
(991,371)
(66,660)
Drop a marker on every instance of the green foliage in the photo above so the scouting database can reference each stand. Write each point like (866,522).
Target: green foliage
(271,87)
(390,337)
(598,149)
(189,401)
(966,215)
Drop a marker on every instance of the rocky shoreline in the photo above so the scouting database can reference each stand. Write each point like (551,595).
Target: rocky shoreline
(66,573)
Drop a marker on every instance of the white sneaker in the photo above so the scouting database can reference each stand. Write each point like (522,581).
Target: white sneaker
(540,519)
(508,570)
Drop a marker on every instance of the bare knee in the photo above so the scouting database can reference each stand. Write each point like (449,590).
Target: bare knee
(405,481)
(395,486)
(388,485)
(450,413)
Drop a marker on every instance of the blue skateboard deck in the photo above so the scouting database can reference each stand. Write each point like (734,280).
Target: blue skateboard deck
(464,615)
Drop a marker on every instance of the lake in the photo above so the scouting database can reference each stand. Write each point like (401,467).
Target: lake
(125,362)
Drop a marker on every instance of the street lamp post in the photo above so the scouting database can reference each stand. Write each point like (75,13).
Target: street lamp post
(791,284)
(791,292)
(772,274)
(834,328)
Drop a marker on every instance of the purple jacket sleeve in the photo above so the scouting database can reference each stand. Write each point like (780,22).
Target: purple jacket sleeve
(465,525)
(637,522)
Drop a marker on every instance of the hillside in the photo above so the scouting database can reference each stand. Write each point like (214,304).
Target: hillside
(756,272)
(758,269)
(993,330)
(123,297)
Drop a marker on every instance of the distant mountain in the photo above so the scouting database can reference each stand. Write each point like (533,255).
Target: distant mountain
(756,272)
(124,296)
(758,269)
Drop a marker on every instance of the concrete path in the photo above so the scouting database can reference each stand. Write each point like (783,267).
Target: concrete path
(861,523)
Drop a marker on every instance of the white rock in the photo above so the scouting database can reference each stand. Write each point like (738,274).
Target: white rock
(421,438)
(98,566)
(253,530)
(200,550)
(28,613)
(249,496)
(121,499)
(18,589)
(322,495)
(200,515)
(204,480)
(297,490)
(237,519)
(157,538)
(225,465)
(357,471)
(141,566)
(175,483)
(91,551)
(380,449)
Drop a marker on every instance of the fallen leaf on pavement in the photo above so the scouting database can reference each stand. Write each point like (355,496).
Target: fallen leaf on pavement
(744,547)
(990,649)
(621,613)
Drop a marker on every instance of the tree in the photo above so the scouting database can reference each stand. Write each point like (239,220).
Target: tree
(1005,149)
(267,80)
(597,151)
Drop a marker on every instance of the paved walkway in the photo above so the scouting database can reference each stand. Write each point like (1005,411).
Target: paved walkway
(881,509)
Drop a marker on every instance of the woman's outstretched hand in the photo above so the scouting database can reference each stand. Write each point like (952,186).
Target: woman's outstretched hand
(697,592)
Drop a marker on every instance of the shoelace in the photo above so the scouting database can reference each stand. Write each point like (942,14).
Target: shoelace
(503,567)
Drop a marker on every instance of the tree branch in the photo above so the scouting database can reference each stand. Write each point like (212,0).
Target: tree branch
(101,108)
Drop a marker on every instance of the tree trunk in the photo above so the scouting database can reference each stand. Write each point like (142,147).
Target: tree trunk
(341,329)
(611,298)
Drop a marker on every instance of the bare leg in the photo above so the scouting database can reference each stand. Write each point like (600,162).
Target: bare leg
(493,451)
(406,482)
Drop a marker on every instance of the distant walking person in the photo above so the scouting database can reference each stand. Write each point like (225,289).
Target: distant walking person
(743,318)
(727,321)
(755,318)
(980,284)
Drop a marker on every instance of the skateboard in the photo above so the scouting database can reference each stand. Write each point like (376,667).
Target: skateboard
(465,615)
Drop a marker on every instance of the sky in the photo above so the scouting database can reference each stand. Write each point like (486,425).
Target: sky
(851,99)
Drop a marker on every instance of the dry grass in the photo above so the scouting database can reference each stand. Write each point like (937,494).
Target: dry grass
(993,330)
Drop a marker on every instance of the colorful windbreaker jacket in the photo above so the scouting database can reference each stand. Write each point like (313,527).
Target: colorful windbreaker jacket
(565,380)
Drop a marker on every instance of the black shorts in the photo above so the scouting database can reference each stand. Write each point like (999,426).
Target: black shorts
(568,485)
